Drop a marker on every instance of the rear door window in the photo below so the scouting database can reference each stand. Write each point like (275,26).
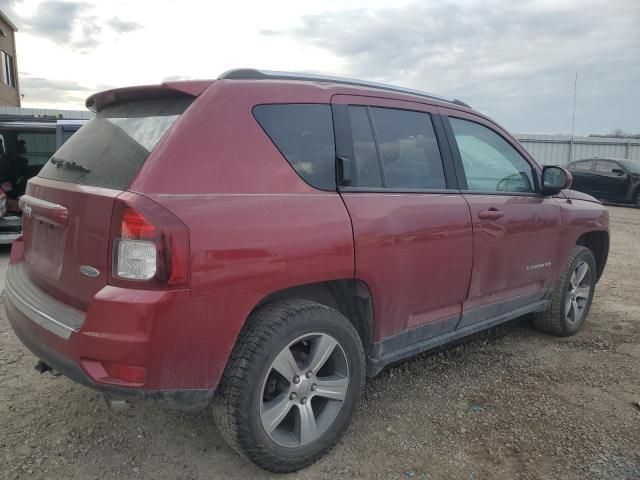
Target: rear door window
(364,149)
(110,149)
(304,135)
(408,149)
(395,149)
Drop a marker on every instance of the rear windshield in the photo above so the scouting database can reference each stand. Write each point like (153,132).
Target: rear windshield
(110,149)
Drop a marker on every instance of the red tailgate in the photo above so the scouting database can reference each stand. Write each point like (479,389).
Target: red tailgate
(66,227)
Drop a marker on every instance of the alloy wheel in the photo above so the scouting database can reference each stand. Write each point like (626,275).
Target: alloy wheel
(578,293)
(304,390)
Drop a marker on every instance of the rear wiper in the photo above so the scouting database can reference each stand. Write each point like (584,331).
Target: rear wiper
(58,162)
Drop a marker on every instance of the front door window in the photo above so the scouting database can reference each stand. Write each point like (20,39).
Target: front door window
(490,163)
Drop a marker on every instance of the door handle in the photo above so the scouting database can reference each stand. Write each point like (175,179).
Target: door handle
(491,214)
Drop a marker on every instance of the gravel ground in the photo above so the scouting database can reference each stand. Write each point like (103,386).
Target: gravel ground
(508,403)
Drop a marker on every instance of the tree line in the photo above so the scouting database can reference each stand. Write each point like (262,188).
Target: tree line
(617,133)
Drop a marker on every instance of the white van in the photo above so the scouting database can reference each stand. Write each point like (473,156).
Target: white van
(32,143)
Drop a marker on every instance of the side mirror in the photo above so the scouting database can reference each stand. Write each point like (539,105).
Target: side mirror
(617,171)
(555,179)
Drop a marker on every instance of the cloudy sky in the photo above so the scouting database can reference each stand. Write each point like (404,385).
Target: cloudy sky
(514,60)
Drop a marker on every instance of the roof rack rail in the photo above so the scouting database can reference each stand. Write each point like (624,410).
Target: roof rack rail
(254,74)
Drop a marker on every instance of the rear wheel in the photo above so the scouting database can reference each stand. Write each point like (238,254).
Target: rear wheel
(638,198)
(291,384)
(572,296)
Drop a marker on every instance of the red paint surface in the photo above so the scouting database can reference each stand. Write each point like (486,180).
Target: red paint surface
(414,251)
(526,234)
(255,227)
(54,253)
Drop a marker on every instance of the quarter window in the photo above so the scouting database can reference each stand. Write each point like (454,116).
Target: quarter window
(304,135)
(490,163)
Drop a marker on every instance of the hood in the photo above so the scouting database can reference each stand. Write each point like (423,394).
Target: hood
(575,195)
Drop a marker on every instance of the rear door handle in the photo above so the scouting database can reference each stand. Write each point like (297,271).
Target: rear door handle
(491,214)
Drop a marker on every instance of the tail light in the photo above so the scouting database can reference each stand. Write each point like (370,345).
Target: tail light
(150,245)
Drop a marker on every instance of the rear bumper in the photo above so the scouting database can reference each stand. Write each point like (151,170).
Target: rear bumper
(178,399)
(52,315)
(181,343)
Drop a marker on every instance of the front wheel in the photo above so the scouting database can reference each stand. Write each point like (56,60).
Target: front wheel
(291,385)
(572,296)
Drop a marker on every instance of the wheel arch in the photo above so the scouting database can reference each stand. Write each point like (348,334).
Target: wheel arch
(598,242)
(351,297)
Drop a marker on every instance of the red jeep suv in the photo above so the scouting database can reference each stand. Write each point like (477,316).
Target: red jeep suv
(261,242)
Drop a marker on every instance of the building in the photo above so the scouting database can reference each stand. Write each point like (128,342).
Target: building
(562,149)
(9,86)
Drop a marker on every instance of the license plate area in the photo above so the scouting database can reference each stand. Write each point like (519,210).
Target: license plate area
(44,247)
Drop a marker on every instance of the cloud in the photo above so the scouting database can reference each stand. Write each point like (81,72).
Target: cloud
(123,26)
(44,91)
(89,37)
(54,19)
(503,57)
(175,78)
(7,7)
(67,23)
(29,82)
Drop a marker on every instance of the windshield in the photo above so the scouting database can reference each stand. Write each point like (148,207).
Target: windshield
(110,149)
(632,165)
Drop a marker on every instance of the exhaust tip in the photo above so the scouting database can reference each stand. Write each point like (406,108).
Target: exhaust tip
(116,404)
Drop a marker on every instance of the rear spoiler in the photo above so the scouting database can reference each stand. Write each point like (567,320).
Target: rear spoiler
(191,88)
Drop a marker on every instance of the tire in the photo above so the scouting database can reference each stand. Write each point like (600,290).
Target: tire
(637,198)
(570,305)
(252,386)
